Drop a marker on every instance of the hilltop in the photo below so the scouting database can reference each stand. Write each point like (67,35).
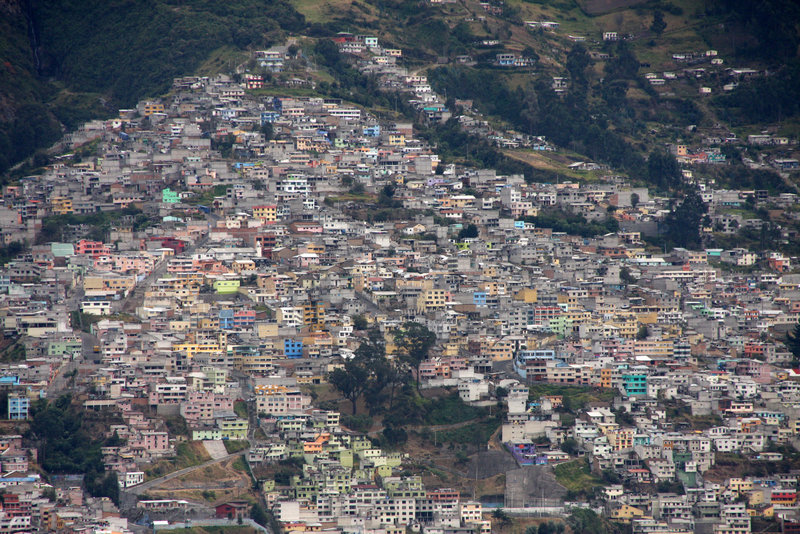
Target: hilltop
(69,62)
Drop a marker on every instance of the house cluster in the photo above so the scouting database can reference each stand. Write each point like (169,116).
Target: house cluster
(29,504)
(346,483)
(372,59)
(711,77)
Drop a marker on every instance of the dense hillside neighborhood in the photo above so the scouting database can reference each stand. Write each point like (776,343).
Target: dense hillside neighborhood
(251,304)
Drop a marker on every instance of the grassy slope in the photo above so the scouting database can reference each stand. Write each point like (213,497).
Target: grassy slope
(576,477)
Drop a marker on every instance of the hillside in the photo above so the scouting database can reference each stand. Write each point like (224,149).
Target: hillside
(66,62)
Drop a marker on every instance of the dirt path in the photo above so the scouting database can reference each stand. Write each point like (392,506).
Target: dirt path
(141,488)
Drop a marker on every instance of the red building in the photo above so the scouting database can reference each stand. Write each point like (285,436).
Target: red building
(94,249)
(232,510)
(170,242)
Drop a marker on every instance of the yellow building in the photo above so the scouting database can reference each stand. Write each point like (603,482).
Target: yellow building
(266,213)
(625,513)
(740,485)
(61,205)
(226,287)
(526,295)
(153,107)
(431,299)
(497,349)
(620,439)
(108,282)
(314,314)
(606,378)
(192,349)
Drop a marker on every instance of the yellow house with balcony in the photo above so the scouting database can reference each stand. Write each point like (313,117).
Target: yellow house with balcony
(61,205)
(625,513)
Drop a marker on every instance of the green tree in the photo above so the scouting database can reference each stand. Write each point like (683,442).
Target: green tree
(267,130)
(623,66)
(265,518)
(626,277)
(368,373)
(386,197)
(359,322)
(578,62)
(414,341)
(500,515)
(663,170)
(394,436)
(586,521)
(793,341)
(643,332)
(530,53)
(570,446)
(469,231)
(659,25)
(684,221)
(351,381)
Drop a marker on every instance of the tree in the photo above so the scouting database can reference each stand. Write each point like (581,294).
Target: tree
(634,199)
(793,341)
(551,527)
(414,341)
(530,53)
(610,476)
(109,487)
(578,61)
(623,66)
(684,221)
(586,521)
(659,25)
(359,322)
(394,435)
(351,381)
(470,231)
(260,515)
(643,333)
(386,197)
(500,515)
(49,494)
(626,277)
(369,373)
(267,130)
(570,446)
(663,169)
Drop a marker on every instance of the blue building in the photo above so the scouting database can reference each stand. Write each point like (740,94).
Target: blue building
(292,349)
(269,116)
(372,131)
(18,406)
(226,319)
(635,384)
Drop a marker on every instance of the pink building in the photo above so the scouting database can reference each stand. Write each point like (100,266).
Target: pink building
(201,406)
(150,440)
